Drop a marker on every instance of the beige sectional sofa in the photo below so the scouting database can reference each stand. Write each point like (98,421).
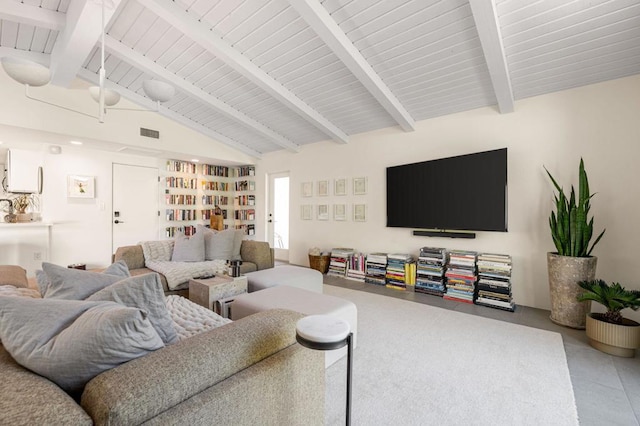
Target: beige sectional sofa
(250,371)
(256,255)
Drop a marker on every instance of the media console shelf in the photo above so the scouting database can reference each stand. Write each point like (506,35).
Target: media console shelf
(443,233)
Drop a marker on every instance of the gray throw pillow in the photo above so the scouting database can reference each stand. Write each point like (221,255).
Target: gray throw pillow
(76,284)
(71,341)
(188,249)
(217,244)
(144,292)
(237,243)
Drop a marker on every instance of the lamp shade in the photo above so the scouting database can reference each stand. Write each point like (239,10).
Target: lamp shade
(25,71)
(111,97)
(158,91)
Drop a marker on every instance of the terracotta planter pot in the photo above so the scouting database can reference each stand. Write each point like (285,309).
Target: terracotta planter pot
(614,339)
(564,274)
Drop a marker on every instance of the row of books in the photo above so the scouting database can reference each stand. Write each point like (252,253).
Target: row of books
(180,182)
(215,186)
(245,185)
(462,276)
(246,200)
(181,166)
(181,199)
(215,200)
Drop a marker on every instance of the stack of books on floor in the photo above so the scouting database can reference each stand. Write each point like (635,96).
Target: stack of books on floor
(461,276)
(356,267)
(430,271)
(494,281)
(396,276)
(376,269)
(339,261)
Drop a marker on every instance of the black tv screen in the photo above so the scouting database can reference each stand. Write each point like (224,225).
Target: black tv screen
(467,192)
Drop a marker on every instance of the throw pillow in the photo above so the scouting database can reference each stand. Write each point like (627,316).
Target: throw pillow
(157,250)
(70,341)
(76,284)
(217,244)
(237,243)
(144,292)
(13,275)
(188,249)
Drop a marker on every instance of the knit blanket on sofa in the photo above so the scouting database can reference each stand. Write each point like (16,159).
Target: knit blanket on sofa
(190,319)
(178,273)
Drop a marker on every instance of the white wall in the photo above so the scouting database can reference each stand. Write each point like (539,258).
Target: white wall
(598,122)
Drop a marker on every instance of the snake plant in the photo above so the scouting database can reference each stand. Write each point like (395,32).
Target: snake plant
(571,229)
(614,297)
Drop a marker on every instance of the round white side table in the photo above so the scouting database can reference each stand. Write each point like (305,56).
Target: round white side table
(326,333)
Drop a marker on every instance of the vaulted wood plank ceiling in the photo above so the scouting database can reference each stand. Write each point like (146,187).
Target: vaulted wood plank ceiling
(267,75)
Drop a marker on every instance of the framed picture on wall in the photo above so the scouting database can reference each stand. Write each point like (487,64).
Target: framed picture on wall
(339,212)
(359,212)
(340,187)
(79,186)
(323,211)
(359,186)
(323,188)
(306,212)
(307,189)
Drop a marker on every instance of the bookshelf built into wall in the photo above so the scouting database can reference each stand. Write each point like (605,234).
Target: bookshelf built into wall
(192,191)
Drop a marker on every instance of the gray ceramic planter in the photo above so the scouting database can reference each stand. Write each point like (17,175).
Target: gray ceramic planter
(564,274)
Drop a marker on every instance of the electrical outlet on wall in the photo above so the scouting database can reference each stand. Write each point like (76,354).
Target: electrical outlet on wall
(37,255)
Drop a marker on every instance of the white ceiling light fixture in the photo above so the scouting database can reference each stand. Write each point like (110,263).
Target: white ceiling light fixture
(32,74)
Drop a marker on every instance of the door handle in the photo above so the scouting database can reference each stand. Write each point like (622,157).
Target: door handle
(117,221)
(269,221)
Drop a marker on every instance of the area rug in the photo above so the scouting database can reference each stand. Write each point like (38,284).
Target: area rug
(420,365)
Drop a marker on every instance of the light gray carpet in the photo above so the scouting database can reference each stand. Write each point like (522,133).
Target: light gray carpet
(420,365)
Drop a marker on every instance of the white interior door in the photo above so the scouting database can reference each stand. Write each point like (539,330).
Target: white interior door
(278,215)
(135,205)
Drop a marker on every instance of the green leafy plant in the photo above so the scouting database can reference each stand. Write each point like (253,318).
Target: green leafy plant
(571,229)
(613,297)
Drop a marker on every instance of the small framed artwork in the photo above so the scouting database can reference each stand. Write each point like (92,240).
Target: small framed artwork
(323,211)
(306,212)
(359,186)
(307,189)
(81,186)
(339,212)
(359,212)
(340,187)
(323,188)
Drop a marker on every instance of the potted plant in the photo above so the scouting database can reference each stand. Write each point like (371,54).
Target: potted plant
(610,332)
(571,230)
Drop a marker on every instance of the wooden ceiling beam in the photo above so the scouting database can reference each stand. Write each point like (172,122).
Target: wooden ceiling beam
(486,19)
(202,34)
(148,66)
(328,30)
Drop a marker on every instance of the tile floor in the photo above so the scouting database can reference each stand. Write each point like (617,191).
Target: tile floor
(606,388)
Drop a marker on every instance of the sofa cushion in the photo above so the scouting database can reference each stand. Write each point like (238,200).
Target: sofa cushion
(218,245)
(70,341)
(13,275)
(76,284)
(258,252)
(144,292)
(188,249)
(157,250)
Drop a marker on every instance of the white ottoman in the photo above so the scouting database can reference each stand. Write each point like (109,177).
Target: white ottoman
(299,300)
(293,276)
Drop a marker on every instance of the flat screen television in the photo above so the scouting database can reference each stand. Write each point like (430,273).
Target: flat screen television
(467,193)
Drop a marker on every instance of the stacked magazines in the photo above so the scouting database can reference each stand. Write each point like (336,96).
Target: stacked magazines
(494,283)
(397,275)
(355,267)
(461,276)
(339,261)
(430,271)
(376,269)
